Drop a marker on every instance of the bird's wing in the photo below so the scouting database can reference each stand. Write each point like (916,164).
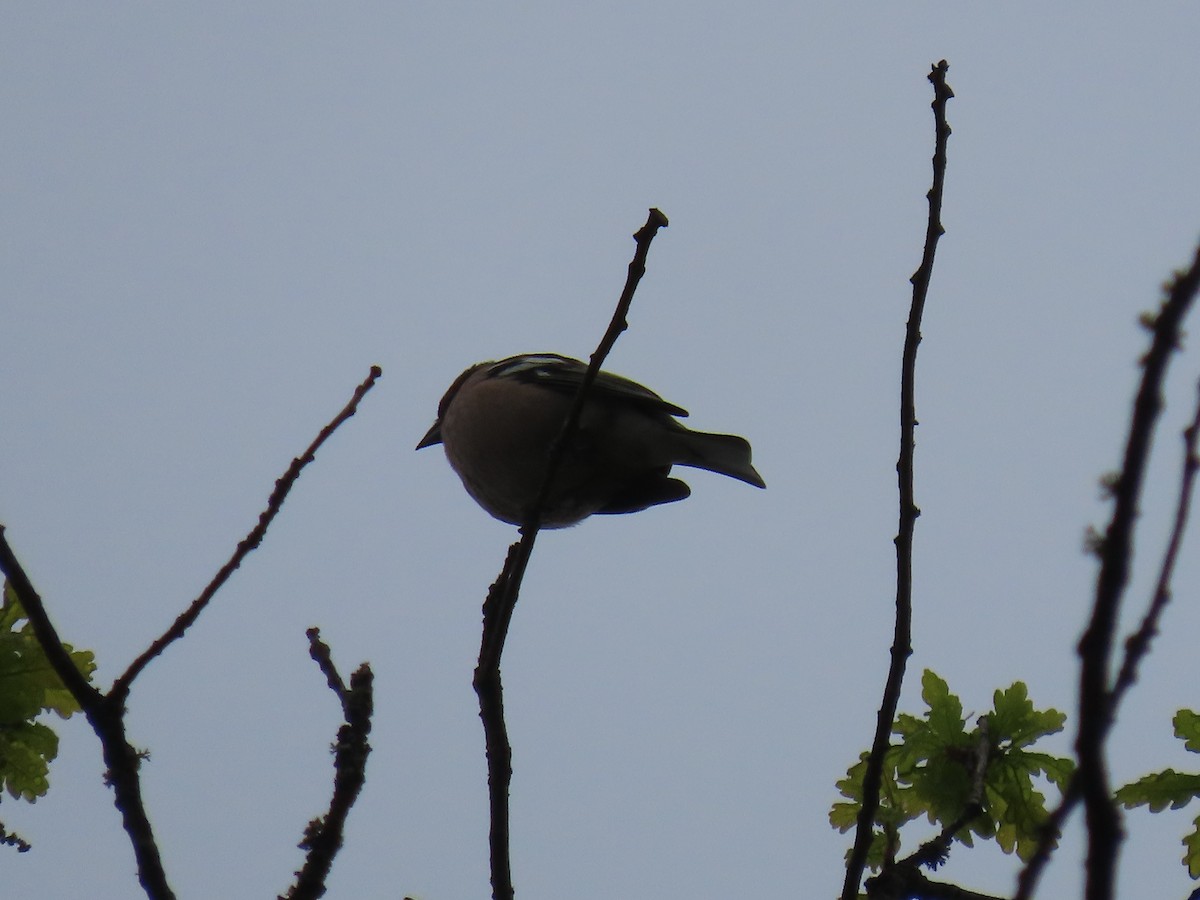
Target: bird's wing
(565,374)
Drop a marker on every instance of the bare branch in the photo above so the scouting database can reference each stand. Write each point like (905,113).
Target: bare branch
(106,712)
(248,544)
(1097,703)
(319,651)
(1116,551)
(907,883)
(107,718)
(1138,644)
(85,695)
(324,835)
(902,638)
(502,596)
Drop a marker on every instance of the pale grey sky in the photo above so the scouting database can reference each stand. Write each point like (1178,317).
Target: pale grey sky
(217,216)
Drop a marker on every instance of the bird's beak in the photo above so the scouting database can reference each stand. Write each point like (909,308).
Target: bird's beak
(432,436)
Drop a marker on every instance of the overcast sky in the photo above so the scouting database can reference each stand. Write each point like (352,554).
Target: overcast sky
(217,216)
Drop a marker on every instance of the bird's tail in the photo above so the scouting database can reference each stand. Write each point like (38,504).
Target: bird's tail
(727,454)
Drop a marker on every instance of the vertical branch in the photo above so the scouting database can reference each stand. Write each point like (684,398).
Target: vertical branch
(497,614)
(502,596)
(902,637)
(1116,551)
(324,835)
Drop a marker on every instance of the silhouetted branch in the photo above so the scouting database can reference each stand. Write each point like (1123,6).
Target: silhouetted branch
(1096,700)
(902,637)
(323,836)
(107,718)
(906,883)
(31,602)
(502,596)
(1138,643)
(1051,831)
(106,712)
(248,544)
(1115,551)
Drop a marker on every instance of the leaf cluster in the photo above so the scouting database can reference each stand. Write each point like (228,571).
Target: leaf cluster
(1159,790)
(29,687)
(978,781)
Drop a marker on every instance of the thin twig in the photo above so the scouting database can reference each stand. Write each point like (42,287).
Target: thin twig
(1138,644)
(902,637)
(1051,831)
(502,596)
(324,835)
(248,544)
(322,656)
(1116,551)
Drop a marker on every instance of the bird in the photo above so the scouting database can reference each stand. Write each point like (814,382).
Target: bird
(499,419)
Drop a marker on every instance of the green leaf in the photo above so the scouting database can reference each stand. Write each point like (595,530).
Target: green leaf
(29,686)
(1015,807)
(1159,790)
(1058,769)
(1191,850)
(1015,803)
(25,753)
(1014,720)
(945,710)
(931,771)
(1187,728)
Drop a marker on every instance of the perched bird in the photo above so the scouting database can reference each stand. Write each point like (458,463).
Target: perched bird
(498,421)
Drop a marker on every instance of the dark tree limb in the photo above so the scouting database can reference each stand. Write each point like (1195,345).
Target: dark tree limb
(106,711)
(1138,643)
(502,596)
(323,836)
(107,718)
(1097,701)
(902,637)
(1116,552)
(908,883)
